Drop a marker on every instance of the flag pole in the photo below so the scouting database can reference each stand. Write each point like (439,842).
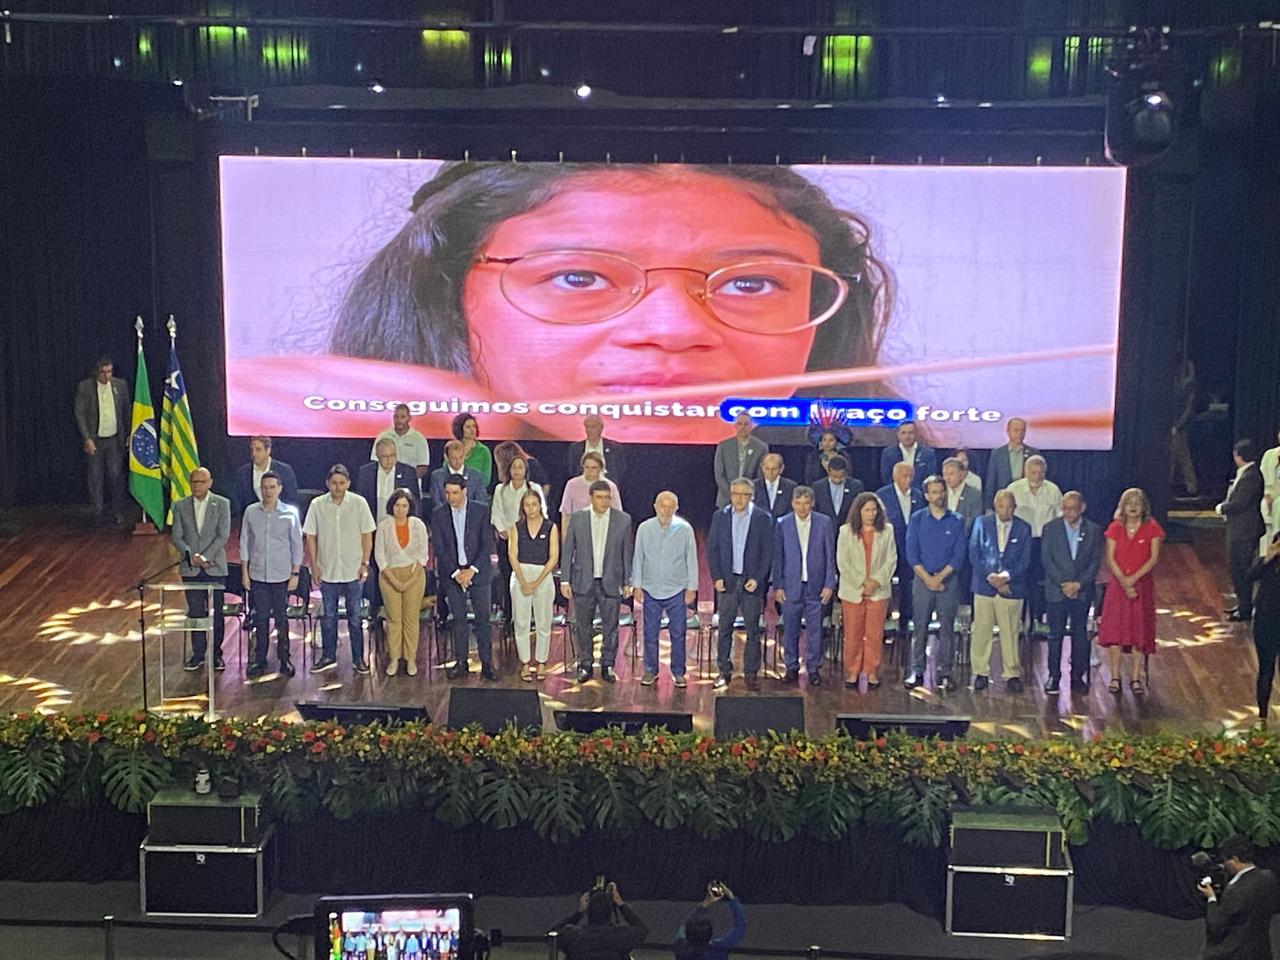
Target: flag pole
(144,527)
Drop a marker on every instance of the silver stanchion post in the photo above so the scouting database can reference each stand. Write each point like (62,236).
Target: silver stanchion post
(553,945)
(815,952)
(108,937)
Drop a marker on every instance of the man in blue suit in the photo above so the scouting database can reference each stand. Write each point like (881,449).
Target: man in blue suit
(901,499)
(1008,462)
(1000,554)
(804,579)
(907,450)
(740,555)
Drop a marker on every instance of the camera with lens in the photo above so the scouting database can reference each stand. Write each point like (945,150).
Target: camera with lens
(716,888)
(601,883)
(1211,870)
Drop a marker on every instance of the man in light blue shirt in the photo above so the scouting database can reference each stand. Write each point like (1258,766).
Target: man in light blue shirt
(664,576)
(270,558)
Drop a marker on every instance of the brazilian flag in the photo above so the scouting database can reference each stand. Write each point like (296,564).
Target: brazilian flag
(144,448)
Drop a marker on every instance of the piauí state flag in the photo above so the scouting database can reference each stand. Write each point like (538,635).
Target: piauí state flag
(144,448)
(178,452)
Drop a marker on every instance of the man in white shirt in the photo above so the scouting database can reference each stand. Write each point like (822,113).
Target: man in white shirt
(1038,501)
(411,446)
(339,529)
(612,452)
(102,416)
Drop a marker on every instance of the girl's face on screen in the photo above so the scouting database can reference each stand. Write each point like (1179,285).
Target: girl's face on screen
(669,337)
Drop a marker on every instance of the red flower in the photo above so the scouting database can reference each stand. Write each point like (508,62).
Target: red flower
(149,736)
(1198,755)
(93,736)
(483,740)
(991,748)
(685,755)
(102,718)
(318,747)
(277,734)
(736,750)
(466,759)
(607,743)
(881,742)
(962,748)
(1019,749)
(227,744)
(308,736)
(660,740)
(1218,746)
(751,764)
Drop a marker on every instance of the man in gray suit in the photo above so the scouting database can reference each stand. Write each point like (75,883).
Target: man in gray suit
(1008,462)
(102,416)
(201,525)
(596,560)
(1071,552)
(739,456)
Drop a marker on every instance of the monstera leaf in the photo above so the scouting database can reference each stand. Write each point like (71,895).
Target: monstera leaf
(30,774)
(131,776)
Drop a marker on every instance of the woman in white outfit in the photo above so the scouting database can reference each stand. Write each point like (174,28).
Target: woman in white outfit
(400,547)
(533,547)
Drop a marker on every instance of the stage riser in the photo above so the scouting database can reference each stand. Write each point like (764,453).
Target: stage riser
(387,854)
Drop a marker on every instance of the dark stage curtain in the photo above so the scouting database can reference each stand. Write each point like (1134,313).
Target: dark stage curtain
(412,851)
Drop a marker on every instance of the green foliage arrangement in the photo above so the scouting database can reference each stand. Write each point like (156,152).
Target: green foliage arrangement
(1177,790)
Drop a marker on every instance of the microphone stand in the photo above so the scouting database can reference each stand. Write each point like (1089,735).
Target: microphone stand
(142,619)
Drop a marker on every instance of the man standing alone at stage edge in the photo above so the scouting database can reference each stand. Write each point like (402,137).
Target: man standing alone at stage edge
(102,415)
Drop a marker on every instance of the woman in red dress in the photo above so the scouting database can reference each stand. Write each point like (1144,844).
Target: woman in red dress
(1129,608)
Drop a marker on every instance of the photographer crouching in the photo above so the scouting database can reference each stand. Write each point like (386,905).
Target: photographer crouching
(1241,900)
(600,938)
(694,940)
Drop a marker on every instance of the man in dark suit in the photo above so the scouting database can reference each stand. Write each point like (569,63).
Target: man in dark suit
(201,526)
(740,555)
(901,498)
(248,486)
(1237,922)
(907,450)
(961,497)
(378,479)
(772,490)
(1243,512)
(1071,552)
(614,453)
(804,580)
(596,560)
(454,466)
(102,417)
(1007,462)
(739,456)
(462,543)
(833,496)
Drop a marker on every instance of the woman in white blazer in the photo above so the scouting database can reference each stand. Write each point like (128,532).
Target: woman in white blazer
(866,557)
(400,547)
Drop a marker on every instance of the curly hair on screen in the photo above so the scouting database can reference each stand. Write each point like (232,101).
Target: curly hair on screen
(405,304)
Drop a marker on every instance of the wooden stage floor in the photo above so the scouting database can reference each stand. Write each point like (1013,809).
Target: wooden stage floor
(69,642)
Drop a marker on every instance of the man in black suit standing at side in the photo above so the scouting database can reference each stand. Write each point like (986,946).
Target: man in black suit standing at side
(462,543)
(102,415)
(772,490)
(834,495)
(1243,512)
(1237,922)
(1071,552)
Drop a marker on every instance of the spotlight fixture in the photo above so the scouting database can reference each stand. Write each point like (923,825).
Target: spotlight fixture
(1145,96)
(376,87)
(176,81)
(583,91)
(941,101)
(544,71)
(117,62)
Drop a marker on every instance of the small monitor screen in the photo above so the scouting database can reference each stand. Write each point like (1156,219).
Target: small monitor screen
(394,928)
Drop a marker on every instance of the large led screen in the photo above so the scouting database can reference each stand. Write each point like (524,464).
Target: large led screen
(666,298)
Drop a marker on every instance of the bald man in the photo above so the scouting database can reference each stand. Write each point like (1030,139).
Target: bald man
(664,577)
(201,526)
(739,456)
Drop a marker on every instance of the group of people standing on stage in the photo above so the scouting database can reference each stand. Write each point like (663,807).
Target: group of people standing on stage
(1010,547)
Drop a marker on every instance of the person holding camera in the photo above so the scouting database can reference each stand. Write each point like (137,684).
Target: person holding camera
(599,938)
(1237,923)
(694,940)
